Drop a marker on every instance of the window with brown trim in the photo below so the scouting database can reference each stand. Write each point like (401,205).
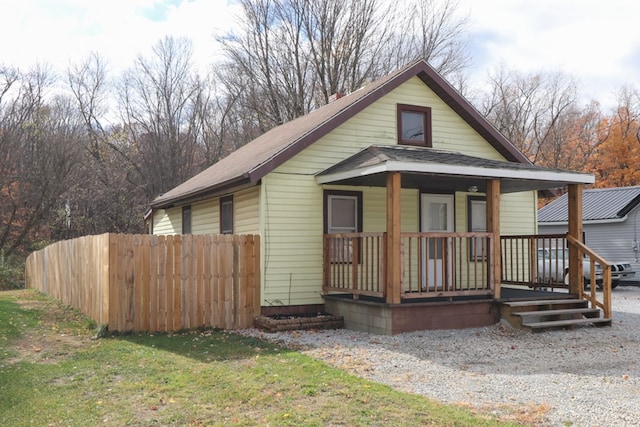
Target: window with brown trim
(343,214)
(226,215)
(186,219)
(414,125)
(477,221)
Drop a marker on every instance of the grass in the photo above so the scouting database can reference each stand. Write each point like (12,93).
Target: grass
(52,373)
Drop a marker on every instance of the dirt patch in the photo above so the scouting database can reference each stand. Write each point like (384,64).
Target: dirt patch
(49,343)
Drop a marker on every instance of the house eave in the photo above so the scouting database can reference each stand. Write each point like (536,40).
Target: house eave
(552,177)
(205,193)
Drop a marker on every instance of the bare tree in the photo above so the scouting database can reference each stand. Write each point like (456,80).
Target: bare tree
(95,203)
(290,56)
(159,102)
(531,109)
(432,30)
(38,154)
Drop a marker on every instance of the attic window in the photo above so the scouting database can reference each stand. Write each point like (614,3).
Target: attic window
(414,125)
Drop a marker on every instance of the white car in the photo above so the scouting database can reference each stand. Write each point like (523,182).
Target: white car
(553,267)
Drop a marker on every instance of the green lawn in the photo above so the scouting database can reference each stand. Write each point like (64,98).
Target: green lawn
(53,373)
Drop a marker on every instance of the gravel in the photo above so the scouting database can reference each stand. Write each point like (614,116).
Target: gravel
(588,376)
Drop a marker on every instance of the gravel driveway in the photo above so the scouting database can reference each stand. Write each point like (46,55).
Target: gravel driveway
(588,376)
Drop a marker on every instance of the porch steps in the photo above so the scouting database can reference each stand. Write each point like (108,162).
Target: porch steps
(541,315)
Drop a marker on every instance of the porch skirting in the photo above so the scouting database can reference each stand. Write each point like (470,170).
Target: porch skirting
(378,317)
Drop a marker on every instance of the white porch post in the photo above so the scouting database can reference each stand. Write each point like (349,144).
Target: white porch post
(394,242)
(493,226)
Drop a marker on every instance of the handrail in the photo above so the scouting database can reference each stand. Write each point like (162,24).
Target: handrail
(605,305)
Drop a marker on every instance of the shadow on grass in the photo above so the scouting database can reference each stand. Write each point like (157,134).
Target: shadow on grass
(203,345)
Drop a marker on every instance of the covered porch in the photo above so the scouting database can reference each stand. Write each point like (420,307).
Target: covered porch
(393,281)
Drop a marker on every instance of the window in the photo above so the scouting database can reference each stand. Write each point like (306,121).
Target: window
(186,219)
(414,125)
(342,214)
(477,222)
(226,215)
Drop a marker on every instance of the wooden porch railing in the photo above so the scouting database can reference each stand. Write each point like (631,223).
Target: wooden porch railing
(540,261)
(534,261)
(605,304)
(446,264)
(433,264)
(354,263)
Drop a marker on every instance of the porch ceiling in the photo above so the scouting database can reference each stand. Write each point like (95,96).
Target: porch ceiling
(437,170)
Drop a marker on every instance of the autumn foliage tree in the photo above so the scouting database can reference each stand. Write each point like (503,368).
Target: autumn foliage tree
(616,161)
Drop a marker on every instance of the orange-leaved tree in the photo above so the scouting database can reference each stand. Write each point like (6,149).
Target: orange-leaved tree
(616,162)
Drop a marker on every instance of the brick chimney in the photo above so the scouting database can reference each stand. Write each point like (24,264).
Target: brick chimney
(335,96)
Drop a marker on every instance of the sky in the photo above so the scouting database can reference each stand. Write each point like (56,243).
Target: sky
(596,41)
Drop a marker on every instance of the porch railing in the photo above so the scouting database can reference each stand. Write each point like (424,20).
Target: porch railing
(355,263)
(433,264)
(534,260)
(542,261)
(446,264)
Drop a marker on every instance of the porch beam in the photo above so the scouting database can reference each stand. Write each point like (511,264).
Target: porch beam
(394,242)
(493,226)
(575,230)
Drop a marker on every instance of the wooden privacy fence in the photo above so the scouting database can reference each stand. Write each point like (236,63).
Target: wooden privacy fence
(154,283)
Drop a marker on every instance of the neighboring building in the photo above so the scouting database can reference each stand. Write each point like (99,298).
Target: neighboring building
(403,155)
(611,223)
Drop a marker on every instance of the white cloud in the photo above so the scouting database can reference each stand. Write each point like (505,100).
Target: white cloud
(595,41)
(60,31)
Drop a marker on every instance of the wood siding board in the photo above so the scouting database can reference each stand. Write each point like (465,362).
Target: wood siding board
(177,284)
(218,294)
(206,282)
(152,323)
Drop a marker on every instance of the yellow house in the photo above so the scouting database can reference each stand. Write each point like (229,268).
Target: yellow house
(388,200)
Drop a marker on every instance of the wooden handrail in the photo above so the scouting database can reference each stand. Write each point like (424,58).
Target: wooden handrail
(605,305)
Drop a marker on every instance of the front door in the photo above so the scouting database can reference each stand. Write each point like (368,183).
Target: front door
(436,216)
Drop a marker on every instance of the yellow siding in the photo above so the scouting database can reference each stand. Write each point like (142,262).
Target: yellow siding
(205,215)
(167,221)
(517,212)
(246,207)
(376,124)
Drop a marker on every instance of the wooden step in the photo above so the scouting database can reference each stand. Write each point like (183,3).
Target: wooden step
(587,312)
(540,326)
(550,302)
(540,315)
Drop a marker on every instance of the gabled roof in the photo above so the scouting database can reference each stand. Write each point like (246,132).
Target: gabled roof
(454,170)
(598,205)
(248,164)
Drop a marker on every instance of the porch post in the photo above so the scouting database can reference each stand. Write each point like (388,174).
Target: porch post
(394,255)
(575,230)
(493,226)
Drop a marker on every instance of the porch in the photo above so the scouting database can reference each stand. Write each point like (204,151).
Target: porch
(446,282)
(439,277)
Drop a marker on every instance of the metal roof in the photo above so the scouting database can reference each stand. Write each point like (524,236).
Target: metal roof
(598,204)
